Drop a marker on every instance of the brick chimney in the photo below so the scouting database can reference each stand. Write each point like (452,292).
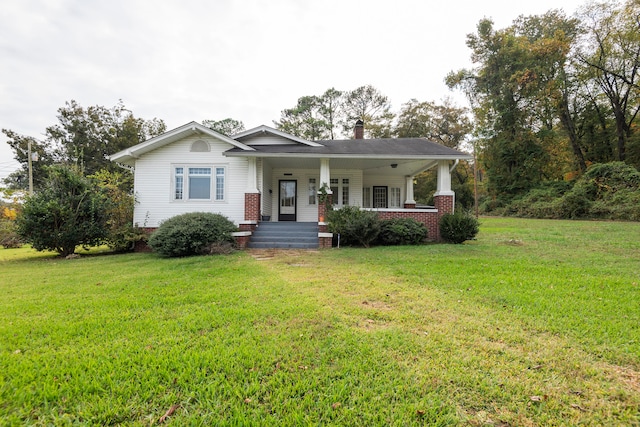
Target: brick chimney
(358,130)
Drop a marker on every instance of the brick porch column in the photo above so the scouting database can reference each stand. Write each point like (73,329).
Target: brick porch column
(325,238)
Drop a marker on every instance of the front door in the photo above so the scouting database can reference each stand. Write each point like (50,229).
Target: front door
(287,196)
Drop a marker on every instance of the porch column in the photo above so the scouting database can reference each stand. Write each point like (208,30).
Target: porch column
(409,203)
(324,236)
(444,198)
(251,197)
(325,175)
(252,176)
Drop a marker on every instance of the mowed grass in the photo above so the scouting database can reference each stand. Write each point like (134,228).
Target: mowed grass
(535,323)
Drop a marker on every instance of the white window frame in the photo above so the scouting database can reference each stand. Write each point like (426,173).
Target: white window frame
(180,190)
(312,189)
(395,197)
(338,187)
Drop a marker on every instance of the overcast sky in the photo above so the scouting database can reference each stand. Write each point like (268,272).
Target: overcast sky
(196,59)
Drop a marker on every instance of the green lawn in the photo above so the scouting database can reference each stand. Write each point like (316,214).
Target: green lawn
(536,323)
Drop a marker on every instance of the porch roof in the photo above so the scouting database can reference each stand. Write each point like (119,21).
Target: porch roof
(384,148)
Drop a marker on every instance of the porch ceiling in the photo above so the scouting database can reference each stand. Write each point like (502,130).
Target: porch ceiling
(368,166)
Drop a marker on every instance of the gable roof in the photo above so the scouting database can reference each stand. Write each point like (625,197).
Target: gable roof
(397,148)
(128,155)
(262,130)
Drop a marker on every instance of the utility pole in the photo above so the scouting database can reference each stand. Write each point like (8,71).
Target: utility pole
(30,170)
(475,178)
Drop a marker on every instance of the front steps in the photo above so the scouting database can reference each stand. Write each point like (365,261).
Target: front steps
(285,235)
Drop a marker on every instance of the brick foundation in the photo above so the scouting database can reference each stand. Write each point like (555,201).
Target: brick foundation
(428,218)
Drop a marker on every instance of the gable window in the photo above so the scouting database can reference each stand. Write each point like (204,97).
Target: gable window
(197,182)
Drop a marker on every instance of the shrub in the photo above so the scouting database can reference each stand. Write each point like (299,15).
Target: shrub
(402,231)
(195,233)
(69,211)
(355,226)
(122,234)
(458,227)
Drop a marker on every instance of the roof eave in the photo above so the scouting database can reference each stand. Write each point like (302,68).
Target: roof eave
(350,156)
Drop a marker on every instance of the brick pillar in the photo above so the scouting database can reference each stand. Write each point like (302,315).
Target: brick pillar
(252,206)
(444,204)
(326,240)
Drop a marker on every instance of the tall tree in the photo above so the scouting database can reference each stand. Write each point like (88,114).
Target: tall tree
(83,137)
(86,137)
(330,109)
(368,104)
(227,127)
(445,124)
(611,50)
(305,120)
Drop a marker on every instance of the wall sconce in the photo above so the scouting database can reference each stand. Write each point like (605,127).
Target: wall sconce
(394,165)
(270,191)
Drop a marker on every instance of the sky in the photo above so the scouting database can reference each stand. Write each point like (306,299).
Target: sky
(194,60)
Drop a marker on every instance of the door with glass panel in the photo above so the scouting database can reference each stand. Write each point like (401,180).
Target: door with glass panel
(287,197)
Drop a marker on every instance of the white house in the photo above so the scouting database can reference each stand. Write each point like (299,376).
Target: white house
(264,174)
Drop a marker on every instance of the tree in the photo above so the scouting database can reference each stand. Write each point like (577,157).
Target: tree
(611,50)
(86,137)
(305,120)
(368,104)
(115,186)
(83,138)
(515,93)
(227,127)
(70,210)
(330,110)
(446,124)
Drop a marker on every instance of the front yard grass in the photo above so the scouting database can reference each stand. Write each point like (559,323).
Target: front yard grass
(534,323)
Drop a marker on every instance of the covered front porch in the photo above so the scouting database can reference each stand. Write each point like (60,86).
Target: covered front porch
(291,189)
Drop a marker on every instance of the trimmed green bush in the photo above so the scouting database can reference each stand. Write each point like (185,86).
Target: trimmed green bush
(355,226)
(194,233)
(458,227)
(402,231)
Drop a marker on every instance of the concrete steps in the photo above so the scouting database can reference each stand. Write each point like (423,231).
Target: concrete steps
(285,235)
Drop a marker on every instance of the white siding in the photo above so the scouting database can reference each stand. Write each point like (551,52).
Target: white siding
(153,182)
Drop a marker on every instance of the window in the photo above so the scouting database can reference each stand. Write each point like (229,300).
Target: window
(219,183)
(379,197)
(313,192)
(340,190)
(395,198)
(345,191)
(366,197)
(179,184)
(195,183)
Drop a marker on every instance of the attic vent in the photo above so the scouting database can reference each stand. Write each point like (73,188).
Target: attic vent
(200,146)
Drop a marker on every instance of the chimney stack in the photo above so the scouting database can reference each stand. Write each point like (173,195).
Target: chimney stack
(358,130)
